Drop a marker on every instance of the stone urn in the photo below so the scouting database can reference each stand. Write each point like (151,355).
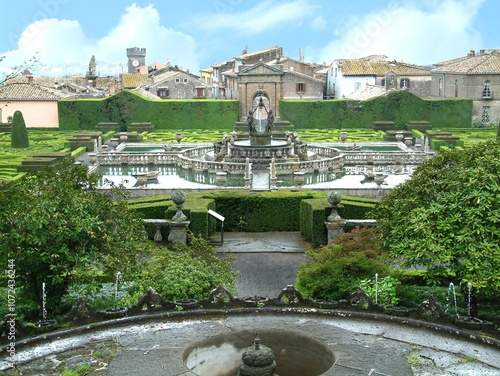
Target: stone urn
(408,141)
(92,158)
(221,178)
(123,136)
(114,142)
(343,136)
(298,177)
(142,178)
(179,198)
(379,179)
(178,137)
(399,136)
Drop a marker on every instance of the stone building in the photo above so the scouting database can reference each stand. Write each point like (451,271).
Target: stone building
(475,76)
(173,83)
(223,76)
(273,83)
(37,103)
(346,76)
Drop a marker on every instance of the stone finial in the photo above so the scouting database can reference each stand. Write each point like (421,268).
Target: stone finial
(334,199)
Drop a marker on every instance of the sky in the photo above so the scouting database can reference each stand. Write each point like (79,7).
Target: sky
(194,34)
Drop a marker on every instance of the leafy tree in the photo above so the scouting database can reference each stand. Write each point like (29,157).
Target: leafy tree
(336,271)
(59,228)
(19,133)
(447,218)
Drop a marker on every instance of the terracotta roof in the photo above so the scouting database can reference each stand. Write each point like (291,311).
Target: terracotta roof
(483,63)
(361,67)
(26,91)
(131,80)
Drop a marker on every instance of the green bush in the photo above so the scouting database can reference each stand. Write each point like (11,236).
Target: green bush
(19,133)
(336,271)
(184,272)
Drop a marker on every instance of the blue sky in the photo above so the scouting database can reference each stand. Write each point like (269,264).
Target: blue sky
(197,33)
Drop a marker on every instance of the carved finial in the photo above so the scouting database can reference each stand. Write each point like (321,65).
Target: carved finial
(256,341)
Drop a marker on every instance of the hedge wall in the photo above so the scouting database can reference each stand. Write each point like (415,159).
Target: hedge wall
(128,107)
(304,211)
(397,106)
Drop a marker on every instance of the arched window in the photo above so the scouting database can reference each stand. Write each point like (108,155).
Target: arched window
(487,89)
(440,87)
(456,88)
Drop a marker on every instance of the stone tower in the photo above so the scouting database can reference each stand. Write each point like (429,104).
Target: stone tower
(136,58)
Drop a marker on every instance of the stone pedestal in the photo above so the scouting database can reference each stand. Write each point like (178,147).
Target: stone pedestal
(178,232)
(334,229)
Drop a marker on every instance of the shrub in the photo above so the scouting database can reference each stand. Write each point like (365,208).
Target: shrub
(19,133)
(335,271)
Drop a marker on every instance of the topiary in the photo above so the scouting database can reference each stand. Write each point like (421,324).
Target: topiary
(19,134)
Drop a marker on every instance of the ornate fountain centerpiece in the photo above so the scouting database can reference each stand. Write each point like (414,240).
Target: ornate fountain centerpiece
(261,143)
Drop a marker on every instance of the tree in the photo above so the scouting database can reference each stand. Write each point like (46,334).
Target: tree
(19,133)
(58,227)
(447,218)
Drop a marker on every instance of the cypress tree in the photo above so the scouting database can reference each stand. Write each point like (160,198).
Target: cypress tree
(19,133)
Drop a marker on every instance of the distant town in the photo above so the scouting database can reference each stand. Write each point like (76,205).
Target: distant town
(475,76)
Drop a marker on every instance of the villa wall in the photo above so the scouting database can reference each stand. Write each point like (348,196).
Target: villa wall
(39,114)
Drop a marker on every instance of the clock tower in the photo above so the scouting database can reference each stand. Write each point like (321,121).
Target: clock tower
(136,58)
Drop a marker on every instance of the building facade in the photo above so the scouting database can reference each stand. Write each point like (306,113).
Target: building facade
(475,76)
(347,76)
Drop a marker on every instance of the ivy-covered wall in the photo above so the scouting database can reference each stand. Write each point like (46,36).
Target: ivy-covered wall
(129,107)
(398,106)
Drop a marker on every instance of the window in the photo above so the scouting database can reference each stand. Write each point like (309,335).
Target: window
(177,80)
(162,93)
(487,89)
(382,83)
(200,92)
(301,87)
(456,88)
(335,72)
(486,114)
(440,92)
(404,83)
(185,80)
(357,86)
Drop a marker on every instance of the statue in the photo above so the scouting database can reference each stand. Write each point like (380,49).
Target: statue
(270,121)
(251,126)
(92,66)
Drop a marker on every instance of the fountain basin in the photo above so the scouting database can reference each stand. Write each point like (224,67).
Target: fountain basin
(296,354)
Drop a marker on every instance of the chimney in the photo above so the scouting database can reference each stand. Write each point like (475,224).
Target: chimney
(481,51)
(472,53)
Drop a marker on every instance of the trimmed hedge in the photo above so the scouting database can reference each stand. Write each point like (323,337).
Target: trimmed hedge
(398,106)
(127,107)
(304,211)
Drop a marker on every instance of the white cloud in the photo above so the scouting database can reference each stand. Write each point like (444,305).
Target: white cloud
(261,18)
(434,31)
(319,23)
(63,48)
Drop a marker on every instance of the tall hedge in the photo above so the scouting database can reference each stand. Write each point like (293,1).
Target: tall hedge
(19,133)
(128,107)
(397,106)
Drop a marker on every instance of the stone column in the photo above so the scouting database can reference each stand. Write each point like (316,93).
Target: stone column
(334,223)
